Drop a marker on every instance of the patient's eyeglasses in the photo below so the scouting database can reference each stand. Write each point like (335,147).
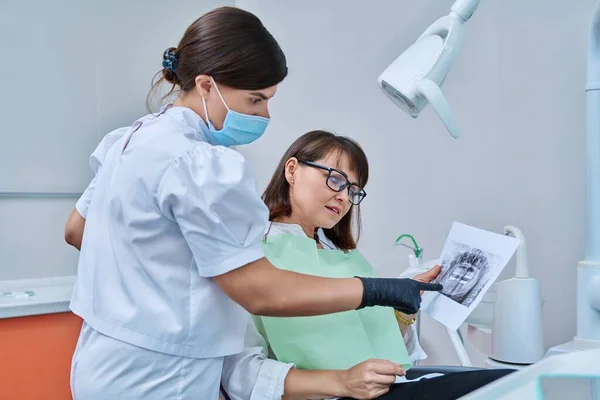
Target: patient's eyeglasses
(338,181)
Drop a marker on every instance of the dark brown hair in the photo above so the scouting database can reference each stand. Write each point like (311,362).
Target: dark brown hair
(232,46)
(314,146)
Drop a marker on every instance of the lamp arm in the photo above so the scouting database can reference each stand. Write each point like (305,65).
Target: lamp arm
(464,8)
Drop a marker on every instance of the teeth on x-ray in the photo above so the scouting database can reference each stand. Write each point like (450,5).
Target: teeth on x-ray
(465,271)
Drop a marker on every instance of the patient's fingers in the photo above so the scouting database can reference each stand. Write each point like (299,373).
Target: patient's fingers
(385,367)
(429,275)
(384,380)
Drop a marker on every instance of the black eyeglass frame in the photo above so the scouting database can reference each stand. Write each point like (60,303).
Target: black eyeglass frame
(348,184)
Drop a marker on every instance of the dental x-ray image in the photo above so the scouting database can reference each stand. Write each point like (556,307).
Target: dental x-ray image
(471,261)
(465,272)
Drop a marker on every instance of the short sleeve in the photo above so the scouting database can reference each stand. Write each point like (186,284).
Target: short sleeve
(210,192)
(108,141)
(83,203)
(96,161)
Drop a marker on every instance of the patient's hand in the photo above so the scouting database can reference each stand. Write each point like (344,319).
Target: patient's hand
(428,275)
(370,379)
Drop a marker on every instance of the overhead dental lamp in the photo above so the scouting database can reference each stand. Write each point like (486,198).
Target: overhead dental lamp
(415,78)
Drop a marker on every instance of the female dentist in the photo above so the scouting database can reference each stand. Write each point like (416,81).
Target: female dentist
(170,255)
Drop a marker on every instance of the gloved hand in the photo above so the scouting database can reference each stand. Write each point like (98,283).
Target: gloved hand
(402,294)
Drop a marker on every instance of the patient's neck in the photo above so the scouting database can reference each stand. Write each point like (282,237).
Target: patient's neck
(308,228)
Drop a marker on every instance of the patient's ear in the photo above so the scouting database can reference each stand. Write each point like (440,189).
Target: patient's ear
(291,167)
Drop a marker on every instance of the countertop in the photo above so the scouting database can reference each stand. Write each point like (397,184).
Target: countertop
(48,296)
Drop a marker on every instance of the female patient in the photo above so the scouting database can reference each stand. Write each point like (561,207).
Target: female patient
(314,199)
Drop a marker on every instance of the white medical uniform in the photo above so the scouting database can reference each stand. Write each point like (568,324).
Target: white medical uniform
(166,211)
(250,375)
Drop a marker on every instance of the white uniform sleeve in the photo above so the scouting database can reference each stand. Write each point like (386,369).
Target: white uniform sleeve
(411,339)
(251,375)
(96,160)
(210,192)
(83,203)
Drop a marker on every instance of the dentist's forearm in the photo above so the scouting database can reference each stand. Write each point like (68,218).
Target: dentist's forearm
(262,289)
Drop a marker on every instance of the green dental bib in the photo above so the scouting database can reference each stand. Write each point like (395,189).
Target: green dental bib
(335,341)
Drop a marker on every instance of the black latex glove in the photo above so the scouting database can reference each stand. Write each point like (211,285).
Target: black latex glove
(402,294)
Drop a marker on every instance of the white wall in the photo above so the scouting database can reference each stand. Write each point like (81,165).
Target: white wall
(71,71)
(518,91)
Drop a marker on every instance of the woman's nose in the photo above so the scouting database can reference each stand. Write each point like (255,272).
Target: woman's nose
(265,112)
(342,196)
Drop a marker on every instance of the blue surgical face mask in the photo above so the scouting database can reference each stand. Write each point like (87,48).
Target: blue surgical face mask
(237,128)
